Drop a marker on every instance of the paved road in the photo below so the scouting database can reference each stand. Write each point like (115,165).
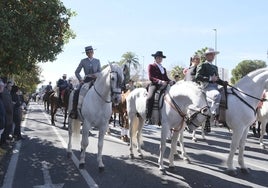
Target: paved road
(40,160)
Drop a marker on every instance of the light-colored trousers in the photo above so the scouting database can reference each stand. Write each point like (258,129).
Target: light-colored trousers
(213,97)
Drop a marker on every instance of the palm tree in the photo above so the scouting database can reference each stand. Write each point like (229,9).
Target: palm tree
(130,59)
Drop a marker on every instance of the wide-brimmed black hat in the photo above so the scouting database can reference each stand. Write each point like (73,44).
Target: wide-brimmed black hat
(159,54)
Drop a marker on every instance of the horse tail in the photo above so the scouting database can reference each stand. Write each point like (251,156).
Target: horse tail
(136,130)
(76,124)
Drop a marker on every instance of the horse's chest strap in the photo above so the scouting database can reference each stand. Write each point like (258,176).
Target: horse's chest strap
(172,103)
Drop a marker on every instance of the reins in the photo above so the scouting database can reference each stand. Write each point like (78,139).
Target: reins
(176,107)
(234,93)
(112,92)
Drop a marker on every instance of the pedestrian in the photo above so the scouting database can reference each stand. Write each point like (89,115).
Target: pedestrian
(7,100)
(17,112)
(91,67)
(2,109)
(159,80)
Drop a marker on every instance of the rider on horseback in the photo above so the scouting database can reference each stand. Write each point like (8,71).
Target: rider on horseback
(207,75)
(159,79)
(62,84)
(48,87)
(91,66)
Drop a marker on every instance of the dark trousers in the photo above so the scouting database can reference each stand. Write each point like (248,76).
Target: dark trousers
(150,100)
(76,97)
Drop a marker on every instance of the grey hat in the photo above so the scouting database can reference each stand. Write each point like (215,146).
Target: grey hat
(88,48)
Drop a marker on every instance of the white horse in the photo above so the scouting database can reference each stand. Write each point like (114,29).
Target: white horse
(184,101)
(242,101)
(97,109)
(262,116)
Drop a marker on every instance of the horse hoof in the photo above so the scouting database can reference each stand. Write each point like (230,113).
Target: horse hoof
(131,156)
(231,172)
(245,170)
(172,168)
(101,169)
(163,172)
(69,155)
(82,166)
(194,139)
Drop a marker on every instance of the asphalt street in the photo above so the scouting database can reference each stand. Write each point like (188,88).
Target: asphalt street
(41,159)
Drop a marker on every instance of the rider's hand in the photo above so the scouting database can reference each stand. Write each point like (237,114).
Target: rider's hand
(213,78)
(164,83)
(171,82)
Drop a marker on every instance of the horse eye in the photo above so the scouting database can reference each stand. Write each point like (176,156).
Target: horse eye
(112,78)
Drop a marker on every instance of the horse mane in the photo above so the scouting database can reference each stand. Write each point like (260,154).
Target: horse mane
(250,76)
(186,86)
(112,67)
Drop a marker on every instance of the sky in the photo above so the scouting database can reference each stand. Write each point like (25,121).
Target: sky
(236,28)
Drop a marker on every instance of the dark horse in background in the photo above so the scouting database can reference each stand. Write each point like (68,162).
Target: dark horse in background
(55,104)
(46,100)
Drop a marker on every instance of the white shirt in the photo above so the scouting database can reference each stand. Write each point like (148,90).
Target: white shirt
(161,68)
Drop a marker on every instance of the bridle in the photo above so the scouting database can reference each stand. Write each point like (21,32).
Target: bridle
(187,119)
(113,90)
(245,102)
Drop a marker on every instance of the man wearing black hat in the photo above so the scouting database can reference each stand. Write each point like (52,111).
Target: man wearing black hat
(91,66)
(158,77)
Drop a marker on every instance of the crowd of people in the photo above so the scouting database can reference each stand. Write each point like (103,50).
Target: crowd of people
(206,74)
(12,104)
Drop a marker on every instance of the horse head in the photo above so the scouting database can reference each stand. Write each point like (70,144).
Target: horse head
(116,80)
(190,102)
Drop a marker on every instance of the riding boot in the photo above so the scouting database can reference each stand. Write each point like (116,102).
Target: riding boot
(148,113)
(207,125)
(74,113)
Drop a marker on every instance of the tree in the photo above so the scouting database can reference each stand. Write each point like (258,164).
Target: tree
(31,32)
(130,59)
(177,70)
(244,67)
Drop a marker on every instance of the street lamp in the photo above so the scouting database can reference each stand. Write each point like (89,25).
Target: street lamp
(215,45)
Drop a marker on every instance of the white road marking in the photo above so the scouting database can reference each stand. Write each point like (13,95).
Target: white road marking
(90,181)
(47,178)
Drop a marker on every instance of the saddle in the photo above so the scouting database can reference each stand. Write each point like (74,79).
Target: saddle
(157,105)
(223,105)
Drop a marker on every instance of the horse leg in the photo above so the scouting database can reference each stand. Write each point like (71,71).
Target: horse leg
(162,147)
(173,148)
(242,143)
(70,133)
(102,132)
(65,117)
(233,146)
(193,136)
(139,142)
(131,124)
(84,144)
(263,125)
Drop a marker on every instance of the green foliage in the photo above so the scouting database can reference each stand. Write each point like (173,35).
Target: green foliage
(130,59)
(31,32)
(244,67)
(177,70)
